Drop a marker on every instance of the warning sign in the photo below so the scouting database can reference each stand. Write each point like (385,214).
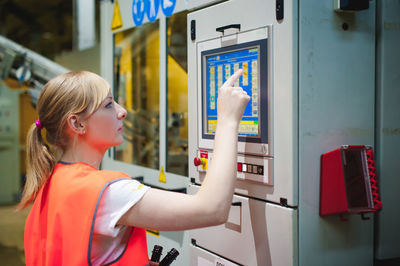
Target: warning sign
(151,8)
(116,20)
(162,178)
(138,11)
(168,7)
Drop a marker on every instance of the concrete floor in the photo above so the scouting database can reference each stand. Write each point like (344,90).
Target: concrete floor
(12,235)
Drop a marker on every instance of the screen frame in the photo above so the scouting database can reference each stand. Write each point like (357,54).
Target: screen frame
(248,148)
(262,45)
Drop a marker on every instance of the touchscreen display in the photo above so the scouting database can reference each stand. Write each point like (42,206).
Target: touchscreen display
(218,68)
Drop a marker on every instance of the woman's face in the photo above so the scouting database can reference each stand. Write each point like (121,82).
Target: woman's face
(104,126)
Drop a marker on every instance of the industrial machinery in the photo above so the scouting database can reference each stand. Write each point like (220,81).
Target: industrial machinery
(303,104)
(321,75)
(262,225)
(22,73)
(26,66)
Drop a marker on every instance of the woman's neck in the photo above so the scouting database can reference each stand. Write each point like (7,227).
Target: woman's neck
(82,153)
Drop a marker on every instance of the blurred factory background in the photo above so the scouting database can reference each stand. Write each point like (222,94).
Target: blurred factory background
(48,31)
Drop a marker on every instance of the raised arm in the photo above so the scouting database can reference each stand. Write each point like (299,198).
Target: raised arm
(169,211)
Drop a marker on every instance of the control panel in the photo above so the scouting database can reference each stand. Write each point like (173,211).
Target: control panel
(217,61)
(260,217)
(249,168)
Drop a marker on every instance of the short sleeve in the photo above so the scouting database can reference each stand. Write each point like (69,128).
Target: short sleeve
(116,200)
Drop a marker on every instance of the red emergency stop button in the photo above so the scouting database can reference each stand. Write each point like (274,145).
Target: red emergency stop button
(197,161)
(200,162)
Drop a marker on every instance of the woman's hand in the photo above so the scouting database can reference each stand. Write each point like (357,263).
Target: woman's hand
(231,100)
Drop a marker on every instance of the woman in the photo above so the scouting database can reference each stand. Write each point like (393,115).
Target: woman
(82,215)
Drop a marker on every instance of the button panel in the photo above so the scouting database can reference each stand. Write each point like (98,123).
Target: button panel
(250,168)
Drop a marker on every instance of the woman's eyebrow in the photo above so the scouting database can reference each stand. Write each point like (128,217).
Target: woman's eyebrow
(105,101)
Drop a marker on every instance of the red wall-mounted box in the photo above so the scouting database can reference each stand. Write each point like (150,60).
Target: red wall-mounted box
(348,181)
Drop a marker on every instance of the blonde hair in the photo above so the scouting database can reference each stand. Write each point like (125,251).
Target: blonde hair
(79,92)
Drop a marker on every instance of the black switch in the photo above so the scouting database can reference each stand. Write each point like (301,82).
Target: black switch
(261,170)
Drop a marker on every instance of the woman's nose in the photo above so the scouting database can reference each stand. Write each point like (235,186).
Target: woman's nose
(121,112)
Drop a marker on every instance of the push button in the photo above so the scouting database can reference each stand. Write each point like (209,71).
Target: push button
(239,167)
(260,170)
(249,168)
(200,162)
(255,169)
(197,161)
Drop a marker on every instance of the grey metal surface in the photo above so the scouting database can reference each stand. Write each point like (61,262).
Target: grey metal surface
(256,233)
(336,107)
(201,257)
(388,128)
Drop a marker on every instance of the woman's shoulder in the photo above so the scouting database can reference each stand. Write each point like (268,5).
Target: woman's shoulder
(112,173)
(82,170)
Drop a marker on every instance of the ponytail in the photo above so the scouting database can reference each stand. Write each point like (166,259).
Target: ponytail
(40,165)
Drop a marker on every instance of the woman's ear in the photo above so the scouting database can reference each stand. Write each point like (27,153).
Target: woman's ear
(75,125)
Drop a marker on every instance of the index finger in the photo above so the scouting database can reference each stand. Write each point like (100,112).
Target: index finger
(232,79)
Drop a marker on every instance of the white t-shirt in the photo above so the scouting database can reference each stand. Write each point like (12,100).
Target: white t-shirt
(110,239)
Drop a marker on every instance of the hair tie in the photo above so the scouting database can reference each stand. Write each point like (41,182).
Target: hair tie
(38,124)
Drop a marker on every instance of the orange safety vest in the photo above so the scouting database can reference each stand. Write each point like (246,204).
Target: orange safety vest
(59,228)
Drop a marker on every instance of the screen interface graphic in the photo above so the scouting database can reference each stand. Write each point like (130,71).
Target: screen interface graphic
(219,67)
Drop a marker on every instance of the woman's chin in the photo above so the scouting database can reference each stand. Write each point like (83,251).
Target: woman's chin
(119,142)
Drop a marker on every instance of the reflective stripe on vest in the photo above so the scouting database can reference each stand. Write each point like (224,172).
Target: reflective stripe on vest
(59,228)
